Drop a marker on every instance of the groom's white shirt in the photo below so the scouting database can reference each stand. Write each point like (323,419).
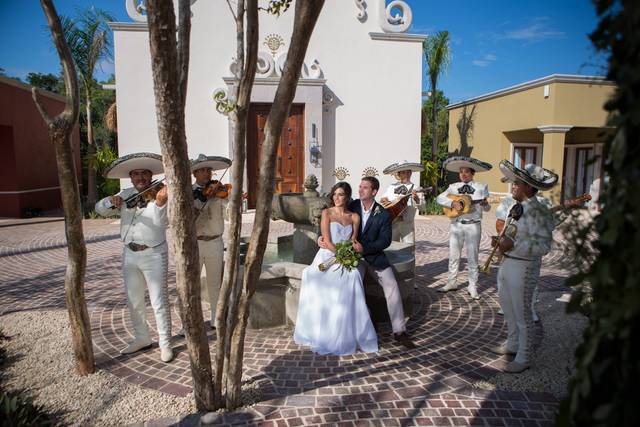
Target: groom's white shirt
(365,215)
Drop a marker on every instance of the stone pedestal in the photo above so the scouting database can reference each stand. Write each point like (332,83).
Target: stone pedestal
(305,243)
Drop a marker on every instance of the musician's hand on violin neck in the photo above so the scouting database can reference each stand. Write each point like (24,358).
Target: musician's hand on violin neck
(384,201)
(116,201)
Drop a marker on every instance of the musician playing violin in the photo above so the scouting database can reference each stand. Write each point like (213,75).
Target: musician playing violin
(210,204)
(465,229)
(143,224)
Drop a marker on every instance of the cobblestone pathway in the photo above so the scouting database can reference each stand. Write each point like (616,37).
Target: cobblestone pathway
(430,385)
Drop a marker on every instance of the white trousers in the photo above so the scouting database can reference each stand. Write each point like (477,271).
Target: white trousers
(212,258)
(387,280)
(148,269)
(516,281)
(464,235)
(403,230)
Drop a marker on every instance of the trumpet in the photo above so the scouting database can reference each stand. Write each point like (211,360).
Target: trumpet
(514,214)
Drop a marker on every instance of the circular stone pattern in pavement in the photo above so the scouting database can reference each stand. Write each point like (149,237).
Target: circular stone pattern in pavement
(453,333)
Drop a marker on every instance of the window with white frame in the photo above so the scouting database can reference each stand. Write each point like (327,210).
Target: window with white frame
(524,154)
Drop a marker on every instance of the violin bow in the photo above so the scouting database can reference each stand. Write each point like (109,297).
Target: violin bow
(151,186)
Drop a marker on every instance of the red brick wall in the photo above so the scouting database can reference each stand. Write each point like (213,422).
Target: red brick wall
(27,158)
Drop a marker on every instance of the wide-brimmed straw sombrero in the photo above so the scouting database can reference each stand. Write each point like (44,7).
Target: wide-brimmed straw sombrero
(216,163)
(453,164)
(405,165)
(534,175)
(121,167)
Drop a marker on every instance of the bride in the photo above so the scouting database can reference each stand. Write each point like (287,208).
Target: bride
(332,313)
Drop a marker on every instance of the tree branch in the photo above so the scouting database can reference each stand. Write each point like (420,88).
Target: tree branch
(35,94)
(184,36)
(72,107)
(235,18)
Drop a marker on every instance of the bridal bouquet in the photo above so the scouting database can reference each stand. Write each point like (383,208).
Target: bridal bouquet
(345,255)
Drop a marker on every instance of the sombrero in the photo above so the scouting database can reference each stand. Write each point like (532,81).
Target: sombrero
(121,167)
(214,162)
(403,166)
(534,175)
(453,164)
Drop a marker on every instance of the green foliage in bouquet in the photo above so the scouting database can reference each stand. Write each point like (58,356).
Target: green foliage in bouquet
(345,255)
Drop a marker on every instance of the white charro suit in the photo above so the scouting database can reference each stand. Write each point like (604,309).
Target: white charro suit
(209,229)
(144,226)
(465,230)
(519,272)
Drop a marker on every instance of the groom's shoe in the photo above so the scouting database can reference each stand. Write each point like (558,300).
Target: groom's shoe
(448,287)
(403,338)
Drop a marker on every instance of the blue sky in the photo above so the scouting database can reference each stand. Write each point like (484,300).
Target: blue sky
(495,43)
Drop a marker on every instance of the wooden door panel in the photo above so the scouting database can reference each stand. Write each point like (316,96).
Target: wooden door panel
(289,174)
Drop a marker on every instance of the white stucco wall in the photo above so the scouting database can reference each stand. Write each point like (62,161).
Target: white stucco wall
(373,121)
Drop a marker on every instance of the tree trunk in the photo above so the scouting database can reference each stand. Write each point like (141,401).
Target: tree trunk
(434,119)
(238,119)
(92,194)
(167,84)
(60,131)
(306,15)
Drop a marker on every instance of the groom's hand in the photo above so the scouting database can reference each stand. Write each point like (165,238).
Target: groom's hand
(322,243)
(358,247)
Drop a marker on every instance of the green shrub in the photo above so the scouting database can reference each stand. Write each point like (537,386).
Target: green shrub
(17,410)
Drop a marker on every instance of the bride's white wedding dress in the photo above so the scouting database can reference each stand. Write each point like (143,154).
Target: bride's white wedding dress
(332,313)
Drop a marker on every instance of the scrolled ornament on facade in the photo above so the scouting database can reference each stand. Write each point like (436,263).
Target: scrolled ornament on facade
(398,23)
(137,9)
(224,103)
(362,10)
(266,66)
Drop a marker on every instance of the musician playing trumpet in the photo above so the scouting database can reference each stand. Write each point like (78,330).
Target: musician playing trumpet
(465,228)
(527,237)
(403,228)
(143,224)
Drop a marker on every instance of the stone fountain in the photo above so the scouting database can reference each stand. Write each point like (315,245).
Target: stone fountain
(275,302)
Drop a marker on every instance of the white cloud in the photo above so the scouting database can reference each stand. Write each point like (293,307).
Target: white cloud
(535,30)
(485,60)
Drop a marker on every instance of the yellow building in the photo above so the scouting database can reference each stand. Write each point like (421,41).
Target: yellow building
(557,121)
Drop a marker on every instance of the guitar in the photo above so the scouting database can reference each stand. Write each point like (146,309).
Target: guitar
(466,202)
(397,207)
(568,204)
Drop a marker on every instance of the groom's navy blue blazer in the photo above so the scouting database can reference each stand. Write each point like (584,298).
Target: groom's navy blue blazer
(376,235)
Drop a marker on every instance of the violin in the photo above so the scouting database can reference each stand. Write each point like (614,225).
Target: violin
(212,189)
(143,198)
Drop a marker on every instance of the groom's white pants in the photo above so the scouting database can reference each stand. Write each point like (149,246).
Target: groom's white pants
(387,280)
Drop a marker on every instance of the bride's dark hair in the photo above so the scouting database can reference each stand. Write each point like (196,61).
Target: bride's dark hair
(347,191)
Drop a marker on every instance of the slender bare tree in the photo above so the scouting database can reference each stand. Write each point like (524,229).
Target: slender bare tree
(60,130)
(170,66)
(246,70)
(306,16)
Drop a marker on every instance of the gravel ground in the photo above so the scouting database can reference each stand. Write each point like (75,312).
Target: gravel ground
(554,359)
(40,343)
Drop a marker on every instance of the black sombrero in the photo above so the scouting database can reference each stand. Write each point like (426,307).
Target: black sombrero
(453,164)
(121,167)
(534,175)
(216,163)
(403,166)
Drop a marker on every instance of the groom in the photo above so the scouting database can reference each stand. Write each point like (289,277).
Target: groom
(374,237)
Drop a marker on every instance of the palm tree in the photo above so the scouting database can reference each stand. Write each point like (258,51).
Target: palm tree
(87,37)
(438,57)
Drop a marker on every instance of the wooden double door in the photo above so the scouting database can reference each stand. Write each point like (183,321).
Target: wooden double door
(290,158)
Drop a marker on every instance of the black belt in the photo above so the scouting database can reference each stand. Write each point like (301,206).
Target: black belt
(135,247)
(469,221)
(516,258)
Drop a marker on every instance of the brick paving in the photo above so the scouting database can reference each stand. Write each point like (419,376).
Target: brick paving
(430,385)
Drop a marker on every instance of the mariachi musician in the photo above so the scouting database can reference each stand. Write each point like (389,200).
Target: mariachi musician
(559,214)
(210,203)
(403,191)
(525,239)
(143,224)
(465,228)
